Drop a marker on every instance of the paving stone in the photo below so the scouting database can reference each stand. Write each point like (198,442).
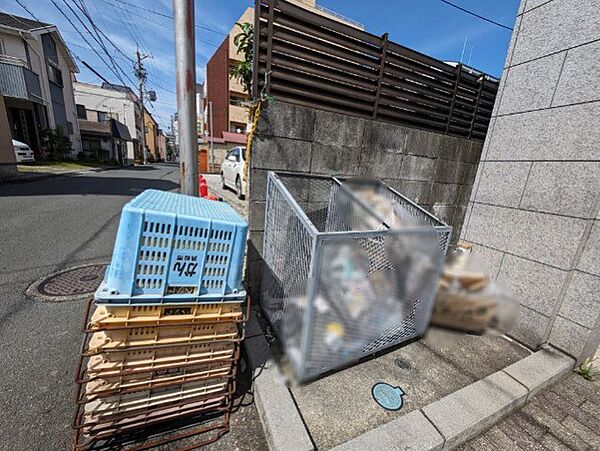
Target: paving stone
(281,421)
(550,404)
(410,431)
(467,412)
(551,443)
(513,428)
(540,369)
(566,188)
(502,183)
(556,428)
(494,439)
(527,424)
(581,303)
(567,394)
(536,285)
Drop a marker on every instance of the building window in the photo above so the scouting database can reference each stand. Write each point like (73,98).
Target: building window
(237,101)
(81,113)
(237,127)
(102,116)
(2,51)
(54,74)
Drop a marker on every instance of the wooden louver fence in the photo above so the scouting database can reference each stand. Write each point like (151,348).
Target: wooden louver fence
(311,60)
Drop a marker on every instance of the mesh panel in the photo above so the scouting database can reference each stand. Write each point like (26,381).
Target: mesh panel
(373,286)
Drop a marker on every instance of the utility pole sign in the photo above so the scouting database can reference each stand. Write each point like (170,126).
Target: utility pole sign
(140,73)
(185,60)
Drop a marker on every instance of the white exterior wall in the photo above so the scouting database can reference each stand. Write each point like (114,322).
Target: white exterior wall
(98,99)
(70,109)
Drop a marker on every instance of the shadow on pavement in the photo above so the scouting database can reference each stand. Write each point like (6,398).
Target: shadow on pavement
(83,185)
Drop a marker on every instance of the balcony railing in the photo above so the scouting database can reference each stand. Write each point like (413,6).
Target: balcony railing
(16,80)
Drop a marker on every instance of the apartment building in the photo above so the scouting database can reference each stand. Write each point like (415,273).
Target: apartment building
(225,96)
(151,128)
(36,81)
(100,103)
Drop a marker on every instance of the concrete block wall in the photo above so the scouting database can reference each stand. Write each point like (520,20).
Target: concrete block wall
(435,170)
(534,209)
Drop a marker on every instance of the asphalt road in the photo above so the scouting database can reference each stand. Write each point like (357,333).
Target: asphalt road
(49,225)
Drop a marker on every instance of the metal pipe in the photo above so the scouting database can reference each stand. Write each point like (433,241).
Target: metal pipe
(212,149)
(185,65)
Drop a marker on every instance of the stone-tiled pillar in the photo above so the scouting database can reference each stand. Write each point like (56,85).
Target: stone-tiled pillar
(534,208)
(8,165)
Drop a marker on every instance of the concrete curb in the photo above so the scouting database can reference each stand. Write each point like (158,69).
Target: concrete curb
(443,424)
(34,177)
(281,421)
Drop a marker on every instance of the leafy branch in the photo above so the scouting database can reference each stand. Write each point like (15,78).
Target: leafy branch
(242,70)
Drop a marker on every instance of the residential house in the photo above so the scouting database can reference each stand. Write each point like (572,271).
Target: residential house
(36,80)
(100,103)
(104,140)
(151,130)
(162,145)
(225,96)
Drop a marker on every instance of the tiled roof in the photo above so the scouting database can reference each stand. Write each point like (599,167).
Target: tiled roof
(20,23)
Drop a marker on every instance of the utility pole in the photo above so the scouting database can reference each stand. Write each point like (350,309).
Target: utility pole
(212,150)
(140,73)
(185,65)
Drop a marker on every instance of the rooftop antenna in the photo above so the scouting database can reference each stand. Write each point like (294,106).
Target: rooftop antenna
(464,46)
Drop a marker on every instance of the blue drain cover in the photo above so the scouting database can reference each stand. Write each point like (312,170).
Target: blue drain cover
(388,397)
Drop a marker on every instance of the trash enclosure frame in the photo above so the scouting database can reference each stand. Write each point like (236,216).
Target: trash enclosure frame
(316,227)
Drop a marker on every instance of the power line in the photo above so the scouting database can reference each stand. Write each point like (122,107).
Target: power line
(160,24)
(83,8)
(100,42)
(26,9)
(476,15)
(86,41)
(202,27)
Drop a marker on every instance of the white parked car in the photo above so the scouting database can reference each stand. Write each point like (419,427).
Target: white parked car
(23,152)
(232,171)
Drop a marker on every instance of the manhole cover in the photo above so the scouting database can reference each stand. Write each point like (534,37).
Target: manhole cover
(69,284)
(403,364)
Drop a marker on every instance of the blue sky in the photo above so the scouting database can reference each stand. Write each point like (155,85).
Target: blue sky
(428,26)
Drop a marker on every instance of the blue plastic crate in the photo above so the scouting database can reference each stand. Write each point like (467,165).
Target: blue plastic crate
(174,248)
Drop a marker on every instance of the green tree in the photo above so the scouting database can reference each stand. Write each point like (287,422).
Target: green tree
(244,41)
(55,144)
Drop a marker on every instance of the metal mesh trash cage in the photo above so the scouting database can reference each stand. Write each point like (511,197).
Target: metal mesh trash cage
(172,248)
(350,268)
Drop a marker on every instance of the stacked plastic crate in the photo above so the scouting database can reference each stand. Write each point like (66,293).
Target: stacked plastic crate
(162,342)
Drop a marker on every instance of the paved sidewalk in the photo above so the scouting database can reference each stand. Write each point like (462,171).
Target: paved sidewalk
(565,416)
